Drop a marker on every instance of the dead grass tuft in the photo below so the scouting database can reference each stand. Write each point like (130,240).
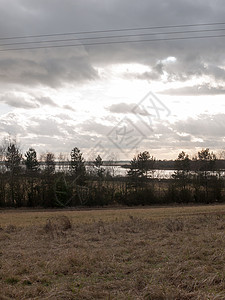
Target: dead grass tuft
(10,228)
(174,225)
(56,226)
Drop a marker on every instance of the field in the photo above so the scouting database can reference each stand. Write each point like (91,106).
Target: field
(150,253)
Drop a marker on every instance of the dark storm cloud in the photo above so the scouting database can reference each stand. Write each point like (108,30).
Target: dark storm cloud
(18,102)
(121,108)
(10,124)
(68,107)
(54,67)
(46,101)
(51,68)
(204,126)
(203,131)
(93,127)
(195,90)
(155,74)
(49,127)
(26,101)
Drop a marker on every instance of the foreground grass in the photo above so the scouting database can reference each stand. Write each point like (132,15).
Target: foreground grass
(22,218)
(160,253)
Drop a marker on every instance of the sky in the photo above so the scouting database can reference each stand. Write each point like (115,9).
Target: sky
(113,99)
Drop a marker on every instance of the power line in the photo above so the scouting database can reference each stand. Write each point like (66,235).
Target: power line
(114,36)
(113,30)
(113,42)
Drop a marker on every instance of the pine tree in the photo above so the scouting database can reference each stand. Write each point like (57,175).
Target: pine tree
(12,162)
(77,166)
(182,165)
(31,161)
(13,158)
(98,161)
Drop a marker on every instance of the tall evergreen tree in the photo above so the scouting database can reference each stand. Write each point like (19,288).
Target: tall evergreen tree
(77,165)
(141,164)
(98,161)
(182,165)
(13,158)
(32,167)
(31,161)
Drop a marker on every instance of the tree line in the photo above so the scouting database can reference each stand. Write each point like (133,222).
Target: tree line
(41,186)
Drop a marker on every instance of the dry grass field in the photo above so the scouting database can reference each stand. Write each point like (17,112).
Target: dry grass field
(151,253)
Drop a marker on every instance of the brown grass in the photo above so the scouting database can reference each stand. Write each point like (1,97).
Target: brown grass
(160,253)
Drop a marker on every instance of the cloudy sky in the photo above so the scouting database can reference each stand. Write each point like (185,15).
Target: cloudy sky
(115,99)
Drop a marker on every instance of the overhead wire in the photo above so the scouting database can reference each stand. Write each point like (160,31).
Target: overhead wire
(112,36)
(113,42)
(109,42)
(114,30)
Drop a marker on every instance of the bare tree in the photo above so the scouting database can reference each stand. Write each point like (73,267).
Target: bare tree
(49,163)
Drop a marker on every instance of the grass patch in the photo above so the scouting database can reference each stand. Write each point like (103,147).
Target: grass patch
(12,280)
